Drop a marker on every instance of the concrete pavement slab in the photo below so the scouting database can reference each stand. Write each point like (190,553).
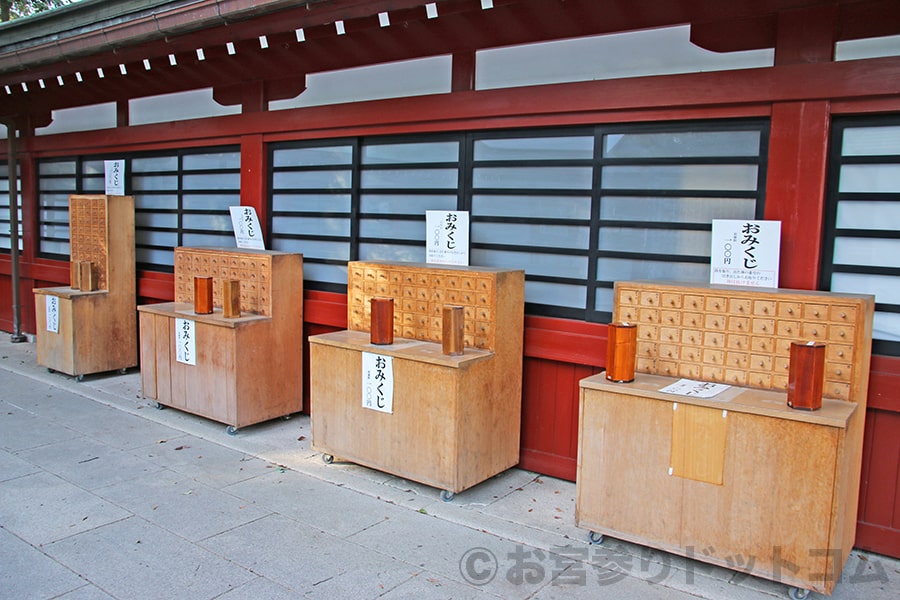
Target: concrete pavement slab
(182,506)
(309,561)
(26,572)
(314,502)
(203,460)
(88,463)
(43,508)
(135,559)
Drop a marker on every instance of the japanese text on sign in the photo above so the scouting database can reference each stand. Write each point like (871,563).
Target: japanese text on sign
(377,382)
(745,252)
(447,235)
(185,342)
(115,177)
(247,232)
(52,314)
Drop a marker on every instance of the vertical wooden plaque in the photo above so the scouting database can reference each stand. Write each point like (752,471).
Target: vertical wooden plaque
(203,295)
(381,330)
(621,351)
(806,375)
(231,298)
(453,330)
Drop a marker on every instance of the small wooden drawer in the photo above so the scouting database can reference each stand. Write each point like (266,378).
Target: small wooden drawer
(692,337)
(817,312)
(691,354)
(764,326)
(714,339)
(760,379)
(735,377)
(668,351)
(839,352)
(813,331)
(710,373)
(737,342)
(714,357)
(780,382)
(789,329)
(782,365)
(716,304)
(648,315)
(628,313)
(838,371)
(648,332)
(790,310)
(715,321)
(740,306)
(670,317)
(692,302)
(760,362)
(841,333)
(739,324)
(689,370)
(649,299)
(645,365)
(836,389)
(665,367)
(764,308)
(737,360)
(647,349)
(669,334)
(843,314)
(670,300)
(762,344)
(627,297)
(692,320)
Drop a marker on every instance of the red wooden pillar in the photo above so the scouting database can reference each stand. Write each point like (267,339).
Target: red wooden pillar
(798,148)
(254,178)
(795,188)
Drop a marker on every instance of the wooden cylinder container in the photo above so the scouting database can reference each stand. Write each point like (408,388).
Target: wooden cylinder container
(231,298)
(86,280)
(381,329)
(806,375)
(453,330)
(203,295)
(621,351)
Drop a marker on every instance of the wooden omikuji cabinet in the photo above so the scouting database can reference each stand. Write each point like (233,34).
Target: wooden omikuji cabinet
(249,368)
(740,480)
(455,419)
(96,317)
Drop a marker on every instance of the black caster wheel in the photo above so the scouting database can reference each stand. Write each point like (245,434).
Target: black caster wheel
(798,593)
(327,459)
(447,496)
(49,370)
(123,371)
(595,538)
(231,430)
(158,406)
(79,378)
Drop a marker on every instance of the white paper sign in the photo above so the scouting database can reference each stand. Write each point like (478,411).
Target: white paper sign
(745,252)
(696,389)
(185,342)
(115,177)
(52,313)
(378,382)
(247,232)
(447,237)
